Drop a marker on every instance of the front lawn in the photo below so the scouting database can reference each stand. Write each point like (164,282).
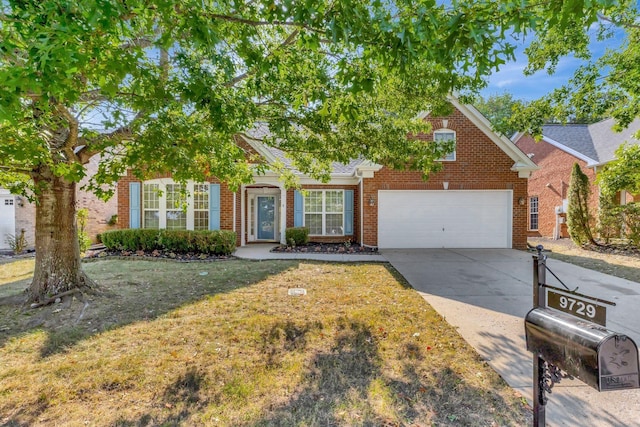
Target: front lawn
(224,343)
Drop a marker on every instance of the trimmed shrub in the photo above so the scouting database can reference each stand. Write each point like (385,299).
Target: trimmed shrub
(297,236)
(218,242)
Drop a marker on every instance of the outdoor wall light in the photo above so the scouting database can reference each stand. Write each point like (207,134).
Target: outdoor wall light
(521,201)
(445,185)
(372,201)
(20,201)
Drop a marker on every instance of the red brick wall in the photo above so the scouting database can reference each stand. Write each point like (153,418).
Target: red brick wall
(226,204)
(100,212)
(551,182)
(480,165)
(356,212)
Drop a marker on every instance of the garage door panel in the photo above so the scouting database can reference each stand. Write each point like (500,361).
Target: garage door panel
(7,219)
(449,219)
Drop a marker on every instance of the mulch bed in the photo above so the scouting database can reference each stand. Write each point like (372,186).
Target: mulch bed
(615,249)
(327,248)
(155,255)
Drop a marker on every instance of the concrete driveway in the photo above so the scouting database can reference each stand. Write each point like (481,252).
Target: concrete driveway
(486,293)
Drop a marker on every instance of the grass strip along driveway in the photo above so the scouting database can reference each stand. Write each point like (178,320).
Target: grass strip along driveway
(224,343)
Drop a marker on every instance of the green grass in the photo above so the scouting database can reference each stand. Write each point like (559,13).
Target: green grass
(224,344)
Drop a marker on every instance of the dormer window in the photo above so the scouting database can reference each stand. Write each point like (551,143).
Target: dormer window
(444,135)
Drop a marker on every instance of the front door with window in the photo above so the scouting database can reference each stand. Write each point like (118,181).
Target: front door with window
(266,217)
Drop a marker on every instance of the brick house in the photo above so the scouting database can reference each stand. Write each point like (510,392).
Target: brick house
(477,200)
(17,213)
(591,146)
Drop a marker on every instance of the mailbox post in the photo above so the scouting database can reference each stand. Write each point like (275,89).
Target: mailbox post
(539,398)
(566,332)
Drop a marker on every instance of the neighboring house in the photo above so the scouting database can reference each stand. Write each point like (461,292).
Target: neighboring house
(17,213)
(591,146)
(476,201)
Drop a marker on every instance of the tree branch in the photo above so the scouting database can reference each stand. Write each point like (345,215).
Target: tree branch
(74,130)
(254,23)
(289,40)
(14,169)
(618,23)
(119,135)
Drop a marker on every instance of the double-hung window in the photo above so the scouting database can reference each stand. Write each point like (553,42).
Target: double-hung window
(151,205)
(165,206)
(324,212)
(442,136)
(533,213)
(176,217)
(200,206)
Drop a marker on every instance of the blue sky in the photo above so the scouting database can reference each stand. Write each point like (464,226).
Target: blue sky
(511,78)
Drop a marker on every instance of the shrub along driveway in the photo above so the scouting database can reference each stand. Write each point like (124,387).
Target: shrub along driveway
(487,293)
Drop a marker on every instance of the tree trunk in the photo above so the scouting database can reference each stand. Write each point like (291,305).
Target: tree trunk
(58,268)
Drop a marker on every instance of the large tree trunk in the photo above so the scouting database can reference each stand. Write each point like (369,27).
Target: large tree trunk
(58,268)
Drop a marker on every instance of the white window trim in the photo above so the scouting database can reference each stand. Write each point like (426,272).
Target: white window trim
(447,131)
(324,212)
(537,213)
(162,200)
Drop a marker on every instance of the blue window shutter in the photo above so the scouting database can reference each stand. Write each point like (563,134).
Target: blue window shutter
(348,212)
(214,206)
(298,205)
(134,205)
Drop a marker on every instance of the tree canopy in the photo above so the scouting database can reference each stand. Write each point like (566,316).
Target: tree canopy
(606,86)
(498,109)
(165,86)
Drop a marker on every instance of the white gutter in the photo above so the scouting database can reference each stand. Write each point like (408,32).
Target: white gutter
(234,213)
(361,185)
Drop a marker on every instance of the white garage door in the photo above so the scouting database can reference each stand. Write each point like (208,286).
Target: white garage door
(445,219)
(7,219)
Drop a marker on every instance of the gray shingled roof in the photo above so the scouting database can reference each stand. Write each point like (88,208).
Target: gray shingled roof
(597,141)
(261,130)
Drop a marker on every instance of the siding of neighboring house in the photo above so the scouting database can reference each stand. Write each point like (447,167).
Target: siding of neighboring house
(26,220)
(100,212)
(480,165)
(551,183)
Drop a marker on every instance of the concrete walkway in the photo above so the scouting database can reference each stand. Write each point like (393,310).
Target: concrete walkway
(261,251)
(486,293)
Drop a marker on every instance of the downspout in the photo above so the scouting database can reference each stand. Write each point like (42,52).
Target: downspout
(242,216)
(359,174)
(361,185)
(234,212)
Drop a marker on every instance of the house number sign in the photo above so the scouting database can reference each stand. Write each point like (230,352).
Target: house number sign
(577,305)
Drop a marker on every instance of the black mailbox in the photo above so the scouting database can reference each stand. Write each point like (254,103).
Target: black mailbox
(601,358)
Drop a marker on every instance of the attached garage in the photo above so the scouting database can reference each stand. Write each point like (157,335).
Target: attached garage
(445,218)
(7,219)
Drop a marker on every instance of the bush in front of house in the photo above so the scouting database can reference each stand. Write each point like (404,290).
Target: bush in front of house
(297,236)
(217,242)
